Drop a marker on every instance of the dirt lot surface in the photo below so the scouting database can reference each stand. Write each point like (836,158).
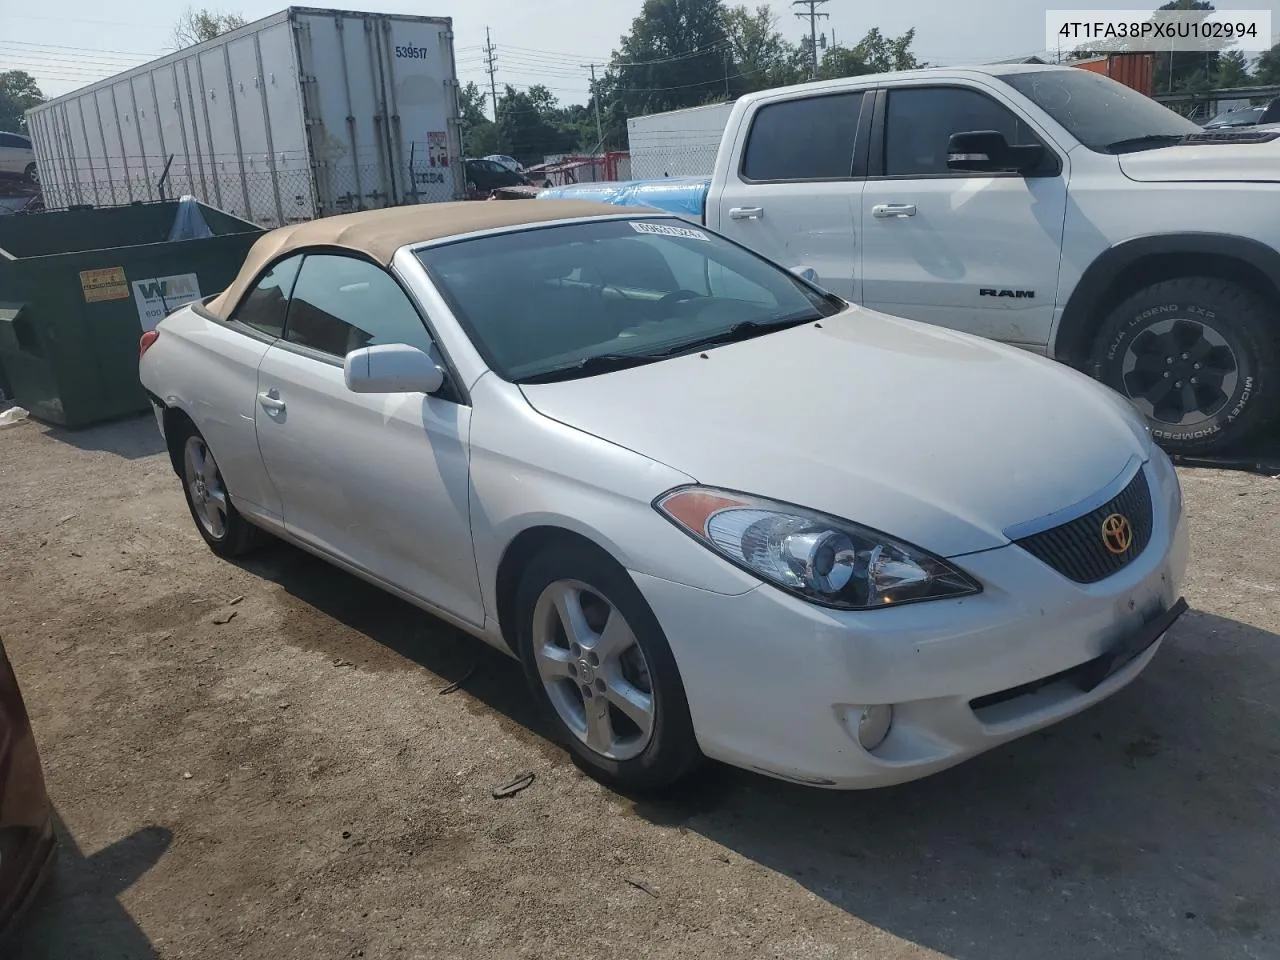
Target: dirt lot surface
(257,761)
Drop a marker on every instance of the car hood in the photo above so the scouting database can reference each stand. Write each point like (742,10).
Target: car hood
(1207,162)
(936,437)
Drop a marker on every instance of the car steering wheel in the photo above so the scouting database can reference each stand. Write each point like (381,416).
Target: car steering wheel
(678,296)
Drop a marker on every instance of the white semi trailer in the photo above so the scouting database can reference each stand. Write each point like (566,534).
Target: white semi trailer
(303,114)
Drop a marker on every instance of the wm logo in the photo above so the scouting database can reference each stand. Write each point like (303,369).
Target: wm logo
(164,289)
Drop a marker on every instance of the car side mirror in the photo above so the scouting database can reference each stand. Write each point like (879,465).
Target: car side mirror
(987,151)
(805,273)
(391,368)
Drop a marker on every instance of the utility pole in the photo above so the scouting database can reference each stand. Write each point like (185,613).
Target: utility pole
(491,67)
(595,96)
(813,16)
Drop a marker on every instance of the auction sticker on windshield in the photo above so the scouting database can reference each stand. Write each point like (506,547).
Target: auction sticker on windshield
(663,230)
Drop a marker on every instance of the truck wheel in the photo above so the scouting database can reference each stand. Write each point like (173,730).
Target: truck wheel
(1199,356)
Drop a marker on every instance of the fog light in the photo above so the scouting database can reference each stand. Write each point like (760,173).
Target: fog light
(873,725)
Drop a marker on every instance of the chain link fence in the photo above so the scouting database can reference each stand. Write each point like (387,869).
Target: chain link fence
(673,153)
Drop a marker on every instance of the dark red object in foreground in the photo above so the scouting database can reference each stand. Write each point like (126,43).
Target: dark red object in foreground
(26,817)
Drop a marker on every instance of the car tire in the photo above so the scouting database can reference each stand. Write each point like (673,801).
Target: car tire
(31,174)
(217,520)
(580,676)
(1199,356)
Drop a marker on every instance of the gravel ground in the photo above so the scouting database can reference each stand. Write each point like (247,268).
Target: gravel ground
(259,760)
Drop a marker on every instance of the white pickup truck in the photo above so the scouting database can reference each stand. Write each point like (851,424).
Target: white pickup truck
(1047,207)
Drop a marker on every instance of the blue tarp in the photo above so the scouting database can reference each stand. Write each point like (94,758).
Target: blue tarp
(685,196)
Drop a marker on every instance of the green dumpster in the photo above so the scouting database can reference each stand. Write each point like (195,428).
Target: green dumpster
(79,287)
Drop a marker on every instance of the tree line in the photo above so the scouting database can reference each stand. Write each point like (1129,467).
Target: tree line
(1187,71)
(678,53)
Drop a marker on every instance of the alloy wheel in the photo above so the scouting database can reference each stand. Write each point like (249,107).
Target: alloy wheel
(593,670)
(1180,371)
(204,484)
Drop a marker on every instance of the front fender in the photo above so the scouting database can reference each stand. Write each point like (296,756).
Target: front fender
(1080,317)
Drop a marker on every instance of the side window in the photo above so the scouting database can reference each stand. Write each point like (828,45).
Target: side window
(921,120)
(809,139)
(9,140)
(342,304)
(264,307)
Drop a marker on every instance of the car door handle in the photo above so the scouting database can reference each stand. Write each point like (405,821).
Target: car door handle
(893,211)
(271,402)
(746,213)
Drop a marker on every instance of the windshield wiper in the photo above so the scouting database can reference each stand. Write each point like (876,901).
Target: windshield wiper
(745,330)
(588,366)
(1151,140)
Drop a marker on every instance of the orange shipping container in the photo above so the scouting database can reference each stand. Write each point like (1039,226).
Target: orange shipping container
(1134,70)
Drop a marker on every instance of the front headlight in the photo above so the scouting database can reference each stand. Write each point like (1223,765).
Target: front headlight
(823,559)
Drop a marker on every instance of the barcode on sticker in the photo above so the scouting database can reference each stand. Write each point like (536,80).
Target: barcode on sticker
(663,230)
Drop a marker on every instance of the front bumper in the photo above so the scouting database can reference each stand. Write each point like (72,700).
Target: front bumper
(776,684)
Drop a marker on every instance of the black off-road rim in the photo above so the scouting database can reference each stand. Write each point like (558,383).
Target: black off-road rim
(1180,372)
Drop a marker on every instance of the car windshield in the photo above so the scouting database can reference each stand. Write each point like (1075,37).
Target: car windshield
(576,299)
(1104,115)
(1236,118)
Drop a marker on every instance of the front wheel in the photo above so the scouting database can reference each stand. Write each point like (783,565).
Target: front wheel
(31,174)
(1198,356)
(600,668)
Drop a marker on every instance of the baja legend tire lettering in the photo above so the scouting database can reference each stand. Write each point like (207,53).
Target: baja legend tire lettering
(1155,312)
(1139,318)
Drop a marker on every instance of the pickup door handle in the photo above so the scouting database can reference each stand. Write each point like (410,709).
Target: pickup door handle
(746,213)
(271,402)
(893,211)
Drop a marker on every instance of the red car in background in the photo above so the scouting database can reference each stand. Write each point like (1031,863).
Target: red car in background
(26,816)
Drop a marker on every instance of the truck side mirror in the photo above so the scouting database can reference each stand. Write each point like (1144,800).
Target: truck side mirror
(987,151)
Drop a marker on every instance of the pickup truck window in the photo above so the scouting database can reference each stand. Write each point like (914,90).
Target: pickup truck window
(807,139)
(921,120)
(1104,115)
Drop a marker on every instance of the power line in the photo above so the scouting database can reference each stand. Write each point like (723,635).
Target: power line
(106,23)
(42,59)
(55,46)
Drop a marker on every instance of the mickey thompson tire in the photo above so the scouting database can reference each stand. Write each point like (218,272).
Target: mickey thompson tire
(1199,356)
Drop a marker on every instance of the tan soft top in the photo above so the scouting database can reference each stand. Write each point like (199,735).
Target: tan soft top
(378,234)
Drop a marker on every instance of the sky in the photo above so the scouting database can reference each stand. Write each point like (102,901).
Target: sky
(66,44)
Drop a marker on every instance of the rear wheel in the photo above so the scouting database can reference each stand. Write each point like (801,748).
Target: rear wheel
(1198,356)
(226,532)
(31,174)
(600,668)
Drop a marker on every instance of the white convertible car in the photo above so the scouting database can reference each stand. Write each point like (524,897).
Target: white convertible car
(714,510)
